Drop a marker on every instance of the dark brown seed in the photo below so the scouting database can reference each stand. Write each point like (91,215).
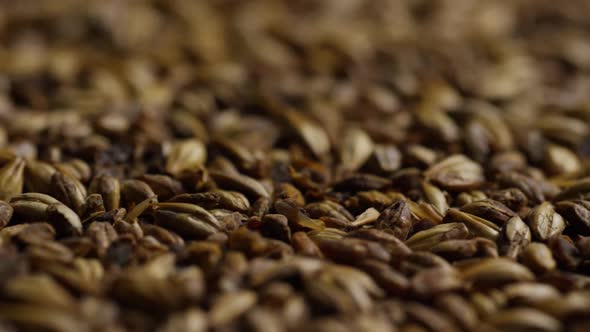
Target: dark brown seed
(533,143)
(184,155)
(241,183)
(524,319)
(420,156)
(276,226)
(515,236)
(386,277)
(69,191)
(260,207)
(438,123)
(421,260)
(356,148)
(507,162)
(163,186)
(512,198)
(431,282)
(204,254)
(435,196)
(249,242)
(327,209)
(216,199)
(351,250)
(530,293)
(368,199)
(303,245)
(185,224)
(565,281)
(397,248)
(264,320)
(244,158)
(385,159)
(354,288)
(108,187)
(465,198)
(530,187)
(134,192)
(538,257)
(455,249)
(36,233)
(163,236)
(312,134)
(476,225)
(580,189)
(45,317)
(296,216)
(577,214)
(476,140)
(397,218)
(93,206)
(565,252)
(456,173)
(496,271)
(11,179)
(560,160)
(336,223)
(501,137)
(459,309)
(65,220)
(102,234)
(491,210)
(433,320)
(426,239)
(192,320)
(407,179)
(544,222)
(38,176)
(5,214)
(583,245)
(288,191)
(486,247)
(361,182)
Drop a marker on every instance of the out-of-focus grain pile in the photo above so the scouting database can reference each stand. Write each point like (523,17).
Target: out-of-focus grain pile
(294,165)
